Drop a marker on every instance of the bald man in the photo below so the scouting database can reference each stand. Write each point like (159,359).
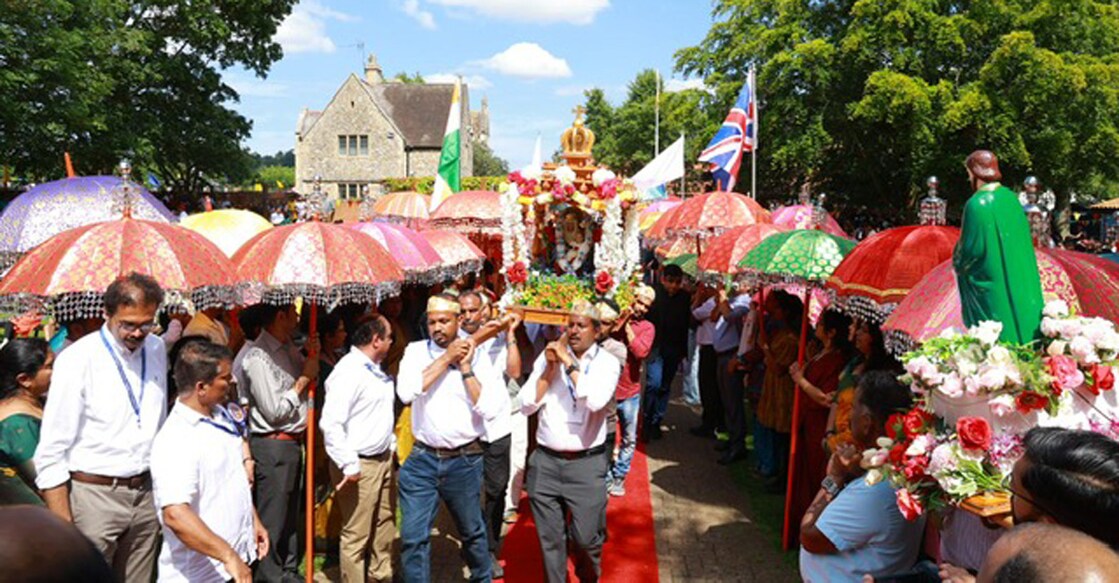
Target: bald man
(1047,553)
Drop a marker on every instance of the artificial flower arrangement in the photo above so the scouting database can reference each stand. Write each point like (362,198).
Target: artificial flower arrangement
(545,290)
(977,397)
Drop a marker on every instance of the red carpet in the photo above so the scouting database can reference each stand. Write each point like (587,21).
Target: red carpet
(630,553)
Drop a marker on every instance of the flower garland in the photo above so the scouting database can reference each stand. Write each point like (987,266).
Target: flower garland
(513,244)
(631,235)
(610,252)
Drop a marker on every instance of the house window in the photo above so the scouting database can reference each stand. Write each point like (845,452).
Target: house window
(353,145)
(349,191)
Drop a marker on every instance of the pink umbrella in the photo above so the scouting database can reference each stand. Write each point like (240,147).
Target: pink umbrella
(799,216)
(419,260)
(470,211)
(458,253)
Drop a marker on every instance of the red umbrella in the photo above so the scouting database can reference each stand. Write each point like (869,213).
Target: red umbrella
(726,251)
(470,211)
(1088,283)
(714,212)
(882,269)
(800,216)
(419,260)
(659,231)
(457,251)
(407,207)
(68,273)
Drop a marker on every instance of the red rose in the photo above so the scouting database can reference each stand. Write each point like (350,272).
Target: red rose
(1030,401)
(915,422)
(895,427)
(974,433)
(915,468)
(896,457)
(909,505)
(516,273)
(1103,379)
(515,177)
(603,282)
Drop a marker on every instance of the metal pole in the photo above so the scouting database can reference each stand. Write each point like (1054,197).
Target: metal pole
(754,148)
(657,117)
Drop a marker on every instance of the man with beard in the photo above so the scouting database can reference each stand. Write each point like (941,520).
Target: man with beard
(441,379)
(504,361)
(570,385)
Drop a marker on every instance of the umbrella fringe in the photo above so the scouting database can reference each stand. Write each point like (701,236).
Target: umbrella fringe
(898,343)
(328,297)
(468,225)
(90,304)
(861,307)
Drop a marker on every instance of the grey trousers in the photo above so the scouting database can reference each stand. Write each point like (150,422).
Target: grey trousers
(122,524)
(558,488)
(279,466)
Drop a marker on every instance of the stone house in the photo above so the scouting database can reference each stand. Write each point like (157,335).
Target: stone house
(374,129)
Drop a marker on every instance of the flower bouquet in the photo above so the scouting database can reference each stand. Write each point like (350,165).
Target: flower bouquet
(547,297)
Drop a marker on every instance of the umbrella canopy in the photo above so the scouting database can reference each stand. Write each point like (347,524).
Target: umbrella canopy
(659,206)
(470,211)
(801,255)
(712,213)
(723,253)
(799,216)
(321,262)
(658,231)
(409,208)
(419,260)
(882,269)
(686,261)
(457,252)
(1088,283)
(53,207)
(68,273)
(229,229)
(676,247)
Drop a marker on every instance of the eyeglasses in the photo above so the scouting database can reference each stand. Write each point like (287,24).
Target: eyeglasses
(129,327)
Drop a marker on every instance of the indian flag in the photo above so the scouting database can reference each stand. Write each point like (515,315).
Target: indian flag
(447,179)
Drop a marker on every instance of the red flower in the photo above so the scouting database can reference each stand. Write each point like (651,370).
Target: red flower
(974,433)
(515,177)
(895,427)
(909,505)
(896,457)
(603,282)
(915,468)
(1065,372)
(1030,401)
(916,421)
(1103,379)
(516,273)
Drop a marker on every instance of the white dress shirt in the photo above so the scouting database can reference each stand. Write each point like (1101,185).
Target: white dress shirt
(573,416)
(200,465)
(496,352)
(705,331)
(89,423)
(271,369)
(357,415)
(444,416)
(238,370)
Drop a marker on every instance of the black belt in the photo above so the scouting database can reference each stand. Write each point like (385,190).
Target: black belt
(574,455)
(379,457)
(472,448)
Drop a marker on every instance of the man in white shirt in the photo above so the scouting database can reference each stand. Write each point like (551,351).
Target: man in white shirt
(108,400)
(505,363)
(277,377)
(357,426)
(570,385)
(211,532)
(440,378)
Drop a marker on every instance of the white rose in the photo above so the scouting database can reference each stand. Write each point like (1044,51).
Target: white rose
(991,377)
(987,332)
(1071,328)
(920,445)
(1050,328)
(951,386)
(873,477)
(1056,348)
(921,368)
(565,175)
(1056,309)
(602,175)
(943,459)
(874,458)
(1083,351)
(884,442)
(1001,405)
(999,355)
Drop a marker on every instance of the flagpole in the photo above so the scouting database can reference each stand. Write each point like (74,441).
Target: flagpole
(657,117)
(754,148)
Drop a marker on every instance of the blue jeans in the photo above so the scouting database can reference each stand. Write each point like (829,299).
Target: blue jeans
(691,374)
(628,410)
(659,372)
(425,479)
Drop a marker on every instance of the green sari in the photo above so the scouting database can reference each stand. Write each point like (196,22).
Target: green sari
(19,435)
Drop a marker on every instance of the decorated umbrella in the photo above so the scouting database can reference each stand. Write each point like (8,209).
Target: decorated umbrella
(723,253)
(470,211)
(649,215)
(1089,284)
(686,262)
(712,213)
(68,273)
(675,247)
(458,252)
(882,269)
(419,260)
(799,216)
(409,208)
(658,232)
(229,229)
(802,256)
(53,207)
(325,264)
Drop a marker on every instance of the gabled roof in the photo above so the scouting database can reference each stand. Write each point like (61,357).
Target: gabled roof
(307,119)
(419,110)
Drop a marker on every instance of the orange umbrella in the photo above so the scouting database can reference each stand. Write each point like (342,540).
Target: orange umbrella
(407,207)
(712,213)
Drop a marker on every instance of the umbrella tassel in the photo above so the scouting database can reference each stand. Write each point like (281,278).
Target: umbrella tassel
(786,542)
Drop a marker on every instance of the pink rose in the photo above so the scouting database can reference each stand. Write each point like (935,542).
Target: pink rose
(1066,374)
(909,505)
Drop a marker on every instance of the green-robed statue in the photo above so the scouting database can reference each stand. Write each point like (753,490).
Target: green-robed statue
(996,267)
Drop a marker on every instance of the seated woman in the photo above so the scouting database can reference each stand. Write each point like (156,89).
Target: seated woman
(25,376)
(854,528)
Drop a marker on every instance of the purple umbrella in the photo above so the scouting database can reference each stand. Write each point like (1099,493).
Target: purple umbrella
(54,207)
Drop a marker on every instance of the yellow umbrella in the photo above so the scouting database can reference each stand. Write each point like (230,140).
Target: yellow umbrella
(647,220)
(229,229)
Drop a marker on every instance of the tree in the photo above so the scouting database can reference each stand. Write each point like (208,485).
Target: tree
(486,163)
(280,158)
(864,99)
(104,79)
(414,79)
(272,177)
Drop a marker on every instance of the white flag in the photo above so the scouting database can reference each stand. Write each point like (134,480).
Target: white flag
(665,168)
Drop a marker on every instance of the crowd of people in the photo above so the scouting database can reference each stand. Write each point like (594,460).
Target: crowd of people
(176,446)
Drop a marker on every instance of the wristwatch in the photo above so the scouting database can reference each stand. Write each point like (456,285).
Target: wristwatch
(570,369)
(831,488)
(468,375)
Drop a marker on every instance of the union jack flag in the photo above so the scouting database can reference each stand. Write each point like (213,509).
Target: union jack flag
(738,134)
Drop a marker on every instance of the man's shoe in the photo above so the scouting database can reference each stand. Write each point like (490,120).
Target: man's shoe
(732,456)
(655,431)
(617,488)
(510,516)
(498,572)
(775,485)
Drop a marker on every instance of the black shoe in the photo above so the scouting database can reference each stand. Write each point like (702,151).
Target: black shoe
(722,446)
(732,456)
(498,572)
(702,431)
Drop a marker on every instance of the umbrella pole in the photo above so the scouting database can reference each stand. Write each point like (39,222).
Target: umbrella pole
(309,479)
(786,542)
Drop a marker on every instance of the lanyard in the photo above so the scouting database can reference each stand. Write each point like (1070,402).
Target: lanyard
(238,426)
(584,369)
(124,378)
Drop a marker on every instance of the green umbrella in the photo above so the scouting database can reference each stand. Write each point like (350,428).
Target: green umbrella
(806,255)
(686,261)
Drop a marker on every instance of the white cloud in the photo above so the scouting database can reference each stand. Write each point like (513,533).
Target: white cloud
(423,17)
(675,85)
(529,61)
(580,12)
(252,86)
(475,82)
(304,30)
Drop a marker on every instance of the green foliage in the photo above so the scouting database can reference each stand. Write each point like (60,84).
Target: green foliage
(414,79)
(280,158)
(425,184)
(865,98)
(486,163)
(103,79)
(270,175)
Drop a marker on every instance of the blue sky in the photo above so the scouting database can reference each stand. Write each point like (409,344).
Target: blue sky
(532,58)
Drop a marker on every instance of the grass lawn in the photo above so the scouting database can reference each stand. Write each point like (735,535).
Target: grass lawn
(766,510)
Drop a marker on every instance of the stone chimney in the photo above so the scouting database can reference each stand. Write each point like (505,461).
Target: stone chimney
(373,73)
